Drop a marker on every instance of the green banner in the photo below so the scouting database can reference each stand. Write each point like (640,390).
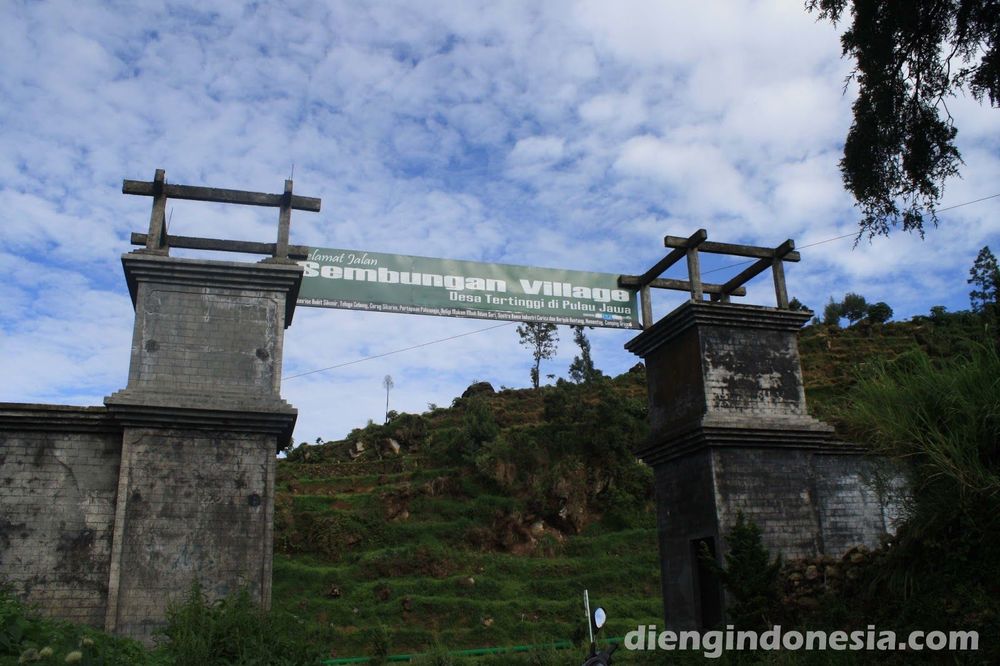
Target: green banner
(377,282)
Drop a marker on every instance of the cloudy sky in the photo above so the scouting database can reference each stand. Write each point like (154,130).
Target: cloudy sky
(557,134)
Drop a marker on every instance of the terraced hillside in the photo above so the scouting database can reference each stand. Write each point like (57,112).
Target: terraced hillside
(481,524)
(482,530)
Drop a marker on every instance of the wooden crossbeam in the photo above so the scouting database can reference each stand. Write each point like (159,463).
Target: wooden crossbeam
(218,195)
(676,255)
(778,254)
(632,282)
(156,239)
(246,247)
(650,276)
(730,248)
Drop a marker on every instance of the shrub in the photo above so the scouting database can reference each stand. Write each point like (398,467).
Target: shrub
(233,630)
(750,576)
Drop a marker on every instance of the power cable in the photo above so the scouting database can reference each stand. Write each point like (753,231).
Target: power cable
(490,328)
(398,351)
(851,235)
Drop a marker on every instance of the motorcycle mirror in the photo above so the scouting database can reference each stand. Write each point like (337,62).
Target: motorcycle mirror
(599,618)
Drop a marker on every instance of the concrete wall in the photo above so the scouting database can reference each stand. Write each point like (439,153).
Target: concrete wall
(685,511)
(57,507)
(107,514)
(730,433)
(191,506)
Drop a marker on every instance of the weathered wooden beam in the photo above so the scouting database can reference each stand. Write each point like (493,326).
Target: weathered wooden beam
(676,255)
(157,218)
(646,303)
(780,292)
(761,265)
(632,282)
(246,247)
(747,274)
(284,222)
(730,248)
(694,273)
(218,195)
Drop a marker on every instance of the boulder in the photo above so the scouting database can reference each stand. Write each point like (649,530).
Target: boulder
(479,388)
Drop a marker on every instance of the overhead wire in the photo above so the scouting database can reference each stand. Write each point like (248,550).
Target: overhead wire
(398,351)
(850,235)
(490,328)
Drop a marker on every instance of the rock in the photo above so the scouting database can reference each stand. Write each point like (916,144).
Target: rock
(334,592)
(831,571)
(537,528)
(468,581)
(479,388)
(812,572)
(390,447)
(857,558)
(487,621)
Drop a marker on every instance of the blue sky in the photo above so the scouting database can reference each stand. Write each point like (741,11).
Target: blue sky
(560,134)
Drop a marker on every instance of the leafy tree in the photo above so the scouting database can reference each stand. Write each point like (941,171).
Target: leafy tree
(854,307)
(582,369)
(985,278)
(795,305)
(832,313)
(879,313)
(750,576)
(900,148)
(542,339)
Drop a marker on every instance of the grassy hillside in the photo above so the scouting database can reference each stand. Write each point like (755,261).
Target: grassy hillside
(483,529)
(495,513)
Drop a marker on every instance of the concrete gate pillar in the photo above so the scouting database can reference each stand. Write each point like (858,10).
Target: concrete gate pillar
(730,433)
(202,420)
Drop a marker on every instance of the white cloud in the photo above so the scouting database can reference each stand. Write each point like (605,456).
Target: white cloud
(562,134)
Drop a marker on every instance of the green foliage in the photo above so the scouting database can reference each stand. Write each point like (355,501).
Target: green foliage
(832,313)
(854,307)
(878,313)
(795,305)
(542,339)
(579,460)
(379,644)
(938,420)
(901,148)
(478,425)
(26,638)
(582,369)
(233,631)
(750,577)
(942,419)
(984,276)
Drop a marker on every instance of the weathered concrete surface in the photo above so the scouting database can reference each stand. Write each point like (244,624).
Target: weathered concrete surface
(191,506)
(107,514)
(731,433)
(58,478)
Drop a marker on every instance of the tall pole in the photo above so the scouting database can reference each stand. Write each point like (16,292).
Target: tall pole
(387,383)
